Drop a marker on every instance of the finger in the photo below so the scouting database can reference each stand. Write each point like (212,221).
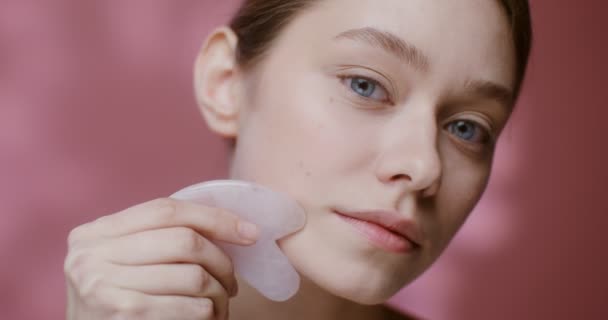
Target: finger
(173,245)
(215,223)
(170,280)
(129,304)
(167,279)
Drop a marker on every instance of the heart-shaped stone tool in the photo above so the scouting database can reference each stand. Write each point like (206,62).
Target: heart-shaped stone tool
(263,265)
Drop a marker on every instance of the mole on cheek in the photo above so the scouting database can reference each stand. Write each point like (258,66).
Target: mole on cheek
(301,166)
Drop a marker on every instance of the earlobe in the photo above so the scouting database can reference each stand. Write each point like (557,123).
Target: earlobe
(215,80)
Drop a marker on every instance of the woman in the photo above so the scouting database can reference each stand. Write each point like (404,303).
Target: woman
(359,110)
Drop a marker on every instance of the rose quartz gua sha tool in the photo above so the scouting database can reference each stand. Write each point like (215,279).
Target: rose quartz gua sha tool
(263,265)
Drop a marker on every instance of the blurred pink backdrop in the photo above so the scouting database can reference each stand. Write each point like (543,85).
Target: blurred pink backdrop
(97,114)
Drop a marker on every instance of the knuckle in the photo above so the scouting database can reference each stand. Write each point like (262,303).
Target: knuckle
(227,271)
(128,306)
(221,214)
(220,219)
(204,308)
(90,286)
(165,208)
(200,278)
(84,274)
(188,240)
(76,261)
(74,236)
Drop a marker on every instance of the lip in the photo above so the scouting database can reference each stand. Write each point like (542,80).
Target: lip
(389,220)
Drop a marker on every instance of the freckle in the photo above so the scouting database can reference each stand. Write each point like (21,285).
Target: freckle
(308,173)
(300,164)
(331,100)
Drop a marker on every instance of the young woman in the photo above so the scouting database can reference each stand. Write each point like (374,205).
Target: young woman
(363,111)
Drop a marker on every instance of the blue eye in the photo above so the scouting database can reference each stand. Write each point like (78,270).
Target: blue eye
(468,131)
(367,88)
(363,87)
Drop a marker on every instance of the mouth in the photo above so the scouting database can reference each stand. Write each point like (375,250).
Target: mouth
(385,229)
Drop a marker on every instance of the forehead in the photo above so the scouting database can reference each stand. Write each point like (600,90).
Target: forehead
(468,39)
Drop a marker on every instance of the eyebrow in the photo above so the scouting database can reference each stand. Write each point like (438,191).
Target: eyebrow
(414,57)
(390,43)
(491,90)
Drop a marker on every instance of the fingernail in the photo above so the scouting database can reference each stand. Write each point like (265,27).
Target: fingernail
(248,231)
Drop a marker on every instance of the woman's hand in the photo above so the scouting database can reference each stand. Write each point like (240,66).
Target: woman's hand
(154,261)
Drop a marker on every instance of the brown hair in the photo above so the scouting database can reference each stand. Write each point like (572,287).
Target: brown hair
(258,22)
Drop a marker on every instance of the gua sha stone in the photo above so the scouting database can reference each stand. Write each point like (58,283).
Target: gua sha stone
(263,265)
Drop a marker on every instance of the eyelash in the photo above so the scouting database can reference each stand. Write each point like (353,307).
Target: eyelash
(377,86)
(486,140)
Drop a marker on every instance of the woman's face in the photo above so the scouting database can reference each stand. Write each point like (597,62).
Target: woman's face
(377,105)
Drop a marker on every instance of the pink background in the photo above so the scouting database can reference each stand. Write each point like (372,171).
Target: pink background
(97,114)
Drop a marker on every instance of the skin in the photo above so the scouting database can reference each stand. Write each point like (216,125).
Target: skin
(337,121)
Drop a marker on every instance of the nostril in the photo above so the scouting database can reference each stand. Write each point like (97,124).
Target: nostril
(401,176)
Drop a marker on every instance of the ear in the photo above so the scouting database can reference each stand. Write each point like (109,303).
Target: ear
(215,82)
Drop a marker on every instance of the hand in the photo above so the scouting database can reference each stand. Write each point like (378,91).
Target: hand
(154,261)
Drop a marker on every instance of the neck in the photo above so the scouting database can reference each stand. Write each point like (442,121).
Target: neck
(311,302)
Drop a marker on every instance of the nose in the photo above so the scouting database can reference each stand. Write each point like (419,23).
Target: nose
(409,157)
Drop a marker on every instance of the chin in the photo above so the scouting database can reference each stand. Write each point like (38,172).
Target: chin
(366,295)
(358,287)
(345,272)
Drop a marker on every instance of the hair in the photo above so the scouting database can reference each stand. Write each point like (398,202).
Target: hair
(258,22)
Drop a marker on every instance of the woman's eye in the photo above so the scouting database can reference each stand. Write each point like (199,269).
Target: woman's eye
(366,88)
(468,131)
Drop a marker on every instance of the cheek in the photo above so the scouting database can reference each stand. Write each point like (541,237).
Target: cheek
(463,182)
(286,142)
(302,127)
